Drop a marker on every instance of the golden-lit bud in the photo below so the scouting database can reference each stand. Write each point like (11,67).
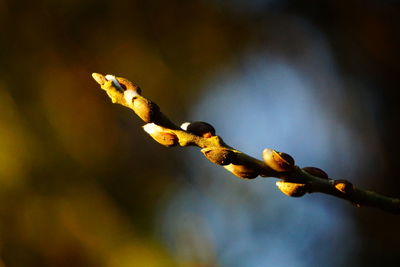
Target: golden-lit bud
(292,189)
(278,161)
(161,135)
(343,186)
(130,95)
(128,85)
(243,171)
(116,84)
(122,85)
(145,109)
(199,128)
(220,156)
(316,172)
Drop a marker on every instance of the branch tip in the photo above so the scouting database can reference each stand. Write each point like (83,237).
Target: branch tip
(100,79)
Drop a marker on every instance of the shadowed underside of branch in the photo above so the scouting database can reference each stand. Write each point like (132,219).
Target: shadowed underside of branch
(295,181)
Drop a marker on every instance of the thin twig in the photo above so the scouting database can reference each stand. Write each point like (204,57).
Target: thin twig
(295,181)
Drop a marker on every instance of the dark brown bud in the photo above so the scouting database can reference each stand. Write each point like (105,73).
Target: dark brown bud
(243,171)
(343,186)
(220,156)
(316,172)
(292,189)
(199,128)
(161,135)
(278,161)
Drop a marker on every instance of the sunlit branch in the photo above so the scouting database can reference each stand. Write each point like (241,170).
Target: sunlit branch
(295,181)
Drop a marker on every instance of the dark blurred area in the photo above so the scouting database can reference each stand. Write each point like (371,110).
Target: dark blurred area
(81,184)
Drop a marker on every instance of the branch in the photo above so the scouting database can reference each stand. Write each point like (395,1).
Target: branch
(295,181)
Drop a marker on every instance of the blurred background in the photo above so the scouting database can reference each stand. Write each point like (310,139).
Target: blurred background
(81,184)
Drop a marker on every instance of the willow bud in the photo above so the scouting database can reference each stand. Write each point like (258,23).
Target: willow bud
(123,84)
(343,186)
(199,128)
(316,172)
(145,109)
(116,84)
(292,189)
(243,171)
(161,135)
(220,156)
(278,161)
